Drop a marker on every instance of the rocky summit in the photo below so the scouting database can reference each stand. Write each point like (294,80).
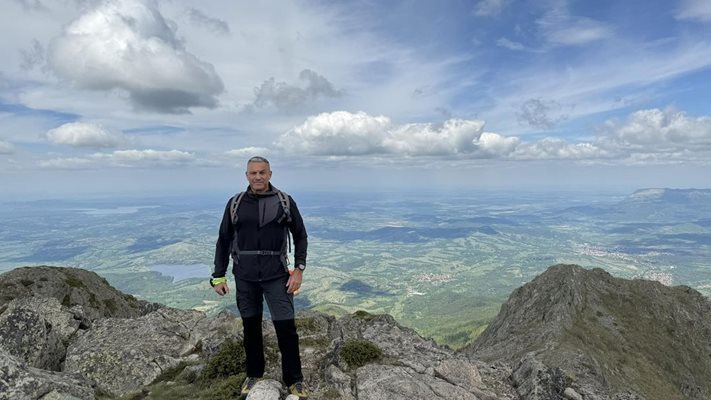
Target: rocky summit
(571,333)
(604,337)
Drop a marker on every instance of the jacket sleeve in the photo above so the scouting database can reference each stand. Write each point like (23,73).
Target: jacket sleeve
(224,241)
(298,232)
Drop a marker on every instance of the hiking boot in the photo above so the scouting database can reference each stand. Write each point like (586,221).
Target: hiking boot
(299,389)
(248,385)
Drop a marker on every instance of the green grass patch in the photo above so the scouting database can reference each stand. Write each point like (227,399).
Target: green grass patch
(359,352)
(73,281)
(230,360)
(363,315)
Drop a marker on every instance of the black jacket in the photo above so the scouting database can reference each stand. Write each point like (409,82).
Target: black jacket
(258,228)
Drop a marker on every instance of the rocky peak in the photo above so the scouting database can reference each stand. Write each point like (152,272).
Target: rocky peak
(606,336)
(71,287)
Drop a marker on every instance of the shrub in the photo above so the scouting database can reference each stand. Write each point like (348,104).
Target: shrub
(359,352)
(363,315)
(73,281)
(230,360)
(228,389)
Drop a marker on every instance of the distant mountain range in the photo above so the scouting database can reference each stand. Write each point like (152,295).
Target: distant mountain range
(682,196)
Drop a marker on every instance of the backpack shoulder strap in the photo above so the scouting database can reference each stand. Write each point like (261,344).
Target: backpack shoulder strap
(234,205)
(285,204)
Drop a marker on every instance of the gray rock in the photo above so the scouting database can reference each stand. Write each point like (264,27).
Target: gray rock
(571,394)
(535,381)
(267,389)
(459,372)
(19,381)
(609,335)
(122,355)
(71,286)
(36,330)
(385,382)
(340,381)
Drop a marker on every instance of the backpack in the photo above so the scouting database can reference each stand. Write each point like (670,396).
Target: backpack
(285,205)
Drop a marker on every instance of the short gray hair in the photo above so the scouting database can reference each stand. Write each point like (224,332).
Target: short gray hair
(257,159)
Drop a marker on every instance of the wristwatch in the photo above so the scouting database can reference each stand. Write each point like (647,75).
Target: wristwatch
(301,266)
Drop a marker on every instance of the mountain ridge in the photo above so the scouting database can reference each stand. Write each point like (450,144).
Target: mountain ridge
(570,333)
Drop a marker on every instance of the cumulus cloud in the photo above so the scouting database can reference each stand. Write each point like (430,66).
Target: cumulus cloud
(557,149)
(287,97)
(563,29)
(83,134)
(487,8)
(124,158)
(510,44)
(128,45)
(541,114)
(6,147)
(216,25)
(342,133)
(695,9)
(656,130)
(337,133)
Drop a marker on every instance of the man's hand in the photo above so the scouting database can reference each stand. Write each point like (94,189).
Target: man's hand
(294,283)
(221,289)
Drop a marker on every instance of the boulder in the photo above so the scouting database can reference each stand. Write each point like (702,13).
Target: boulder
(71,286)
(388,382)
(19,381)
(122,355)
(37,330)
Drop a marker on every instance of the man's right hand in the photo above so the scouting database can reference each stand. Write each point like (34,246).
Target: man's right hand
(221,289)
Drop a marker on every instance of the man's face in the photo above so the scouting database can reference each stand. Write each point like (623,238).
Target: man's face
(258,175)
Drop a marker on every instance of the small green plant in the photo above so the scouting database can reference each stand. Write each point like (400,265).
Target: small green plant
(358,352)
(363,315)
(73,281)
(110,305)
(306,324)
(229,388)
(67,301)
(171,373)
(230,360)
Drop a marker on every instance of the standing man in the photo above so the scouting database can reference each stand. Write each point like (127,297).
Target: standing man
(254,231)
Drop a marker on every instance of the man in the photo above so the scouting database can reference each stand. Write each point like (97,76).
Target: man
(254,231)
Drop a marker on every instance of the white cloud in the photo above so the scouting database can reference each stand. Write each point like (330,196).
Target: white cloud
(247,152)
(83,134)
(337,133)
(656,130)
(126,159)
(128,45)
(455,136)
(695,9)
(347,134)
(486,8)
(557,149)
(69,163)
(563,29)
(286,97)
(509,44)
(6,147)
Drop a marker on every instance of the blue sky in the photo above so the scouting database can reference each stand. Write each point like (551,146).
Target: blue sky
(151,96)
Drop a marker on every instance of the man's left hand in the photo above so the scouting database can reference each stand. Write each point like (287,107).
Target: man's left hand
(294,283)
